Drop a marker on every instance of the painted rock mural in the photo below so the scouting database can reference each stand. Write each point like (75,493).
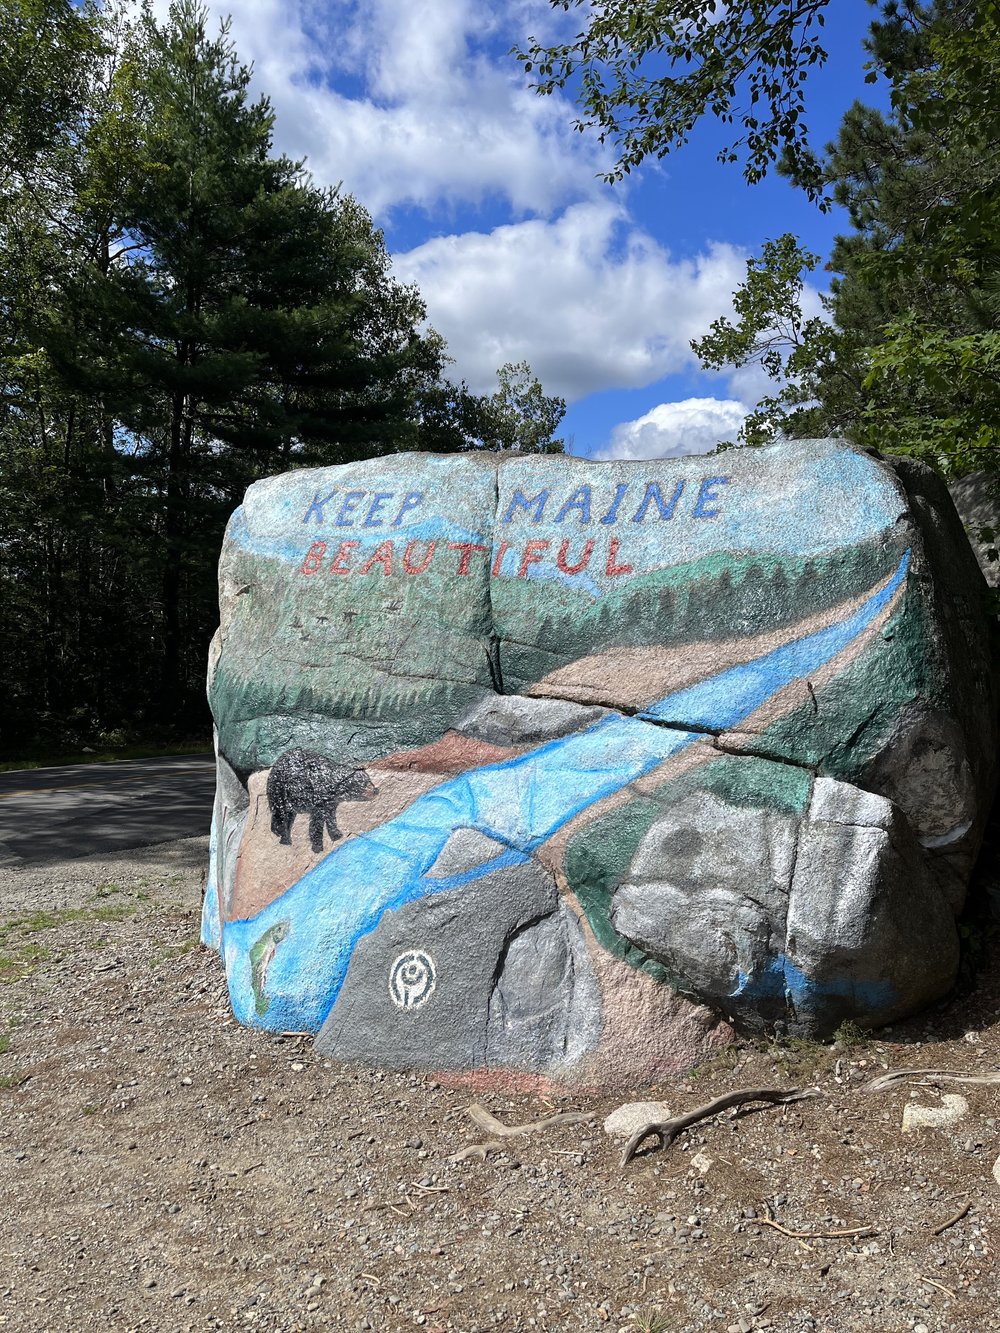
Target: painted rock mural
(541,768)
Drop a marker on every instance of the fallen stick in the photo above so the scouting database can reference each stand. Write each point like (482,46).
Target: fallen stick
(952,1220)
(481,1117)
(940,1286)
(499,1131)
(668,1130)
(852,1233)
(767,1221)
(927,1076)
(480,1150)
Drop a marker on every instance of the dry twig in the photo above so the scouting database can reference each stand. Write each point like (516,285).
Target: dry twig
(940,1286)
(852,1233)
(952,1220)
(499,1131)
(668,1130)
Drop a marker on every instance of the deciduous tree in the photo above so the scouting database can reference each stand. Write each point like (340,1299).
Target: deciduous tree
(645,72)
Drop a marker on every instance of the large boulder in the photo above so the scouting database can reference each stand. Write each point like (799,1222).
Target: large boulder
(532,768)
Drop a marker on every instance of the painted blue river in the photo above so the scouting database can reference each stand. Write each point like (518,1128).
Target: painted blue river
(519,803)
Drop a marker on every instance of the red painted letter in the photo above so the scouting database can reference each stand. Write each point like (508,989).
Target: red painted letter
(533,552)
(338,567)
(314,558)
(588,551)
(613,567)
(418,569)
(466,548)
(382,555)
(504,548)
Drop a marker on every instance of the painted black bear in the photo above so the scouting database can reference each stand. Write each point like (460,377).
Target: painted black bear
(303,782)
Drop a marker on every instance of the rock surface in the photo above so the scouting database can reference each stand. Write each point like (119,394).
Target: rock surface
(615,754)
(953,1109)
(625,1120)
(975,497)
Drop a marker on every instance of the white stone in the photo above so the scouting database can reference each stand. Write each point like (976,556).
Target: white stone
(953,1108)
(623,1122)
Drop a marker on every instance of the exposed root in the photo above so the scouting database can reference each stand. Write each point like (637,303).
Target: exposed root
(480,1150)
(481,1117)
(667,1130)
(950,1221)
(926,1077)
(499,1131)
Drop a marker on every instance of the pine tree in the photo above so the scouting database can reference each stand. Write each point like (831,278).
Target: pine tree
(181,312)
(907,359)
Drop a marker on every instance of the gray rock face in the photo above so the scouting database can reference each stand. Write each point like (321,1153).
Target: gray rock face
(466,849)
(495,976)
(516,719)
(868,928)
(230,817)
(720,916)
(800,920)
(978,504)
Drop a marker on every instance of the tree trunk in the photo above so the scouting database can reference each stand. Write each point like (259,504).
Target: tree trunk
(173,526)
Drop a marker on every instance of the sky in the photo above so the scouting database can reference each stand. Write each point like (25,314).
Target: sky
(493,205)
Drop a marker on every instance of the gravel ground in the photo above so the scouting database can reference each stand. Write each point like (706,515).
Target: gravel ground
(161,1168)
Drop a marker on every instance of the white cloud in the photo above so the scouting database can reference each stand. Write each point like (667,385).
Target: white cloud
(670,430)
(428,107)
(751,383)
(418,103)
(590,300)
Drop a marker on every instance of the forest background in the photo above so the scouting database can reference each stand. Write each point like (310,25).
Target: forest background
(183,311)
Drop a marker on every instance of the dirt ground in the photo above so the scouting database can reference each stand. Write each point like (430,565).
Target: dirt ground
(161,1168)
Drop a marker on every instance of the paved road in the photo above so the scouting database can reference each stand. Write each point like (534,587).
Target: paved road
(58,814)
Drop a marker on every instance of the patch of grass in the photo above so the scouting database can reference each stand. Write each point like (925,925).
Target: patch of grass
(723,1060)
(18,962)
(4,1044)
(8,1082)
(20,953)
(849,1035)
(55,756)
(90,1110)
(651,1320)
(800,1057)
(33,922)
(169,952)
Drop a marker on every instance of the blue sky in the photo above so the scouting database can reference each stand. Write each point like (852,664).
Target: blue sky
(490,202)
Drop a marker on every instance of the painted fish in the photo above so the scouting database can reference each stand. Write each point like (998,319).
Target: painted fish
(261,958)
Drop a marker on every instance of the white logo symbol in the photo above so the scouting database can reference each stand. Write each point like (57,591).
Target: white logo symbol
(412,979)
